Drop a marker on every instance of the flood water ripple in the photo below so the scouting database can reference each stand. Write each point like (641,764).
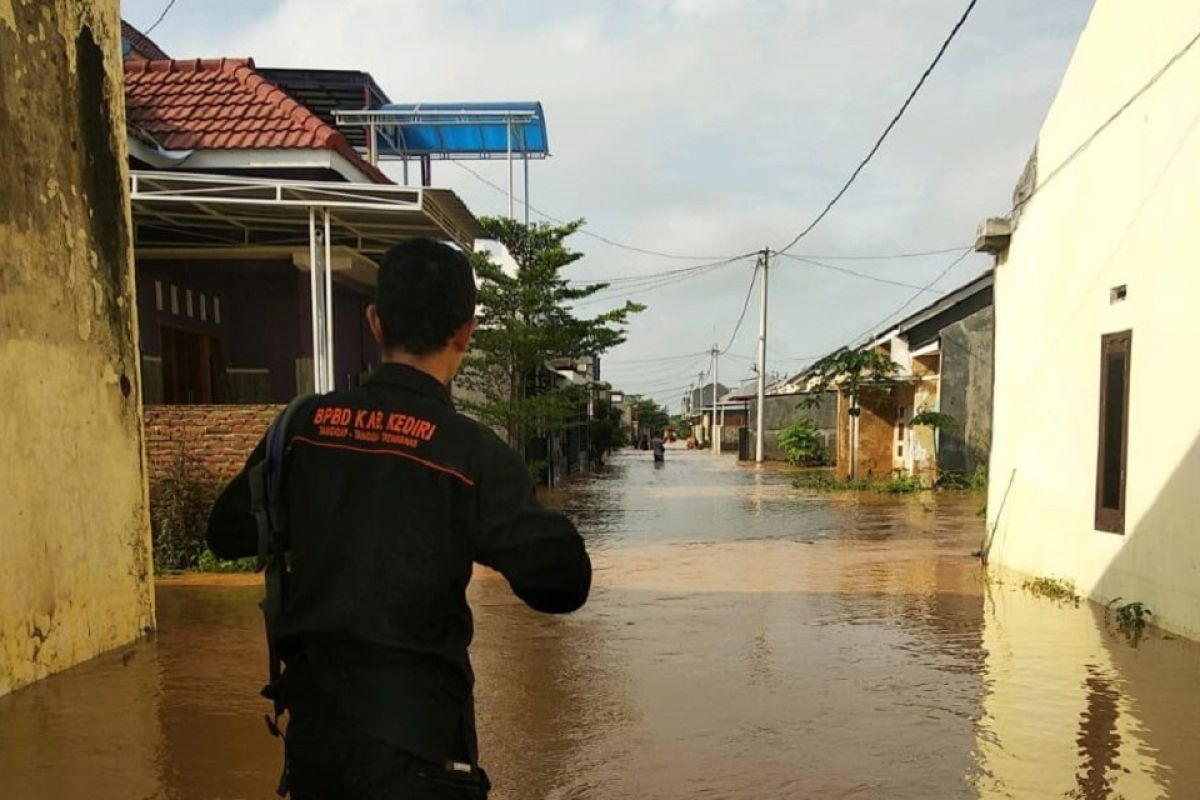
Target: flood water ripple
(744,639)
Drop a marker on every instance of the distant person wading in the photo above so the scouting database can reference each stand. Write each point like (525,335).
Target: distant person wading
(383,498)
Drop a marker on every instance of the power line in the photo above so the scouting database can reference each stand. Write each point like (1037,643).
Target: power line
(886,131)
(667,378)
(660,358)
(745,305)
(877,326)
(678,256)
(654,372)
(623,292)
(915,295)
(1104,126)
(884,257)
(585,232)
(845,271)
(161,17)
(650,277)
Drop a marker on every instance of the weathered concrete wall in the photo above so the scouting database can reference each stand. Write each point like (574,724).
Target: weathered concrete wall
(780,411)
(74,536)
(216,439)
(966,391)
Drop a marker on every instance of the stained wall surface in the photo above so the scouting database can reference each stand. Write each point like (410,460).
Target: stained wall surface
(75,561)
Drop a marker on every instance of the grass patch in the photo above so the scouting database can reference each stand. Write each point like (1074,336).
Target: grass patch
(1059,590)
(909,484)
(975,481)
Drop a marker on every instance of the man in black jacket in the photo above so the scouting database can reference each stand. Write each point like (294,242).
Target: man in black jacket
(391,497)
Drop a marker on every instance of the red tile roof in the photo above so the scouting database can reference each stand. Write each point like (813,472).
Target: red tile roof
(224,104)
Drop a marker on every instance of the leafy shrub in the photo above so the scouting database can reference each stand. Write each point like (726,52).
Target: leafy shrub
(179,507)
(209,562)
(976,480)
(902,484)
(802,444)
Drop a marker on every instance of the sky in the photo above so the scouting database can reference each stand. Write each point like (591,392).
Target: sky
(710,128)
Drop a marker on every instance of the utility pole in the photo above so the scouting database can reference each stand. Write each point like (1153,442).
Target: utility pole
(762,360)
(717,379)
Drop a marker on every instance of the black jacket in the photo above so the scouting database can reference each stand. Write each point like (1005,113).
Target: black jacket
(392,495)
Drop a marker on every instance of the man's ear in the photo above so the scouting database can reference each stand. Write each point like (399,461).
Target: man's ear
(461,340)
(375,324)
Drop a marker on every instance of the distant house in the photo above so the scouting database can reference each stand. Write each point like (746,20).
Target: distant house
(1095,468)
(698,407)
(943,355)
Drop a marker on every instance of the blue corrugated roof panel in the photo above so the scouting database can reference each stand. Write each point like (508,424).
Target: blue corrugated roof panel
(479,129)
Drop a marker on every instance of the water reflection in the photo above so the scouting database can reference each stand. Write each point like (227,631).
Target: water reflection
(745,640)
(1073,710)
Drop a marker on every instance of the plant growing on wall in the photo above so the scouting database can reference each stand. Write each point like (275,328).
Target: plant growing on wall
(802,444)
(935,421)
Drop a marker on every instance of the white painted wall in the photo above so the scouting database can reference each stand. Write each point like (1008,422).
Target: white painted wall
(1125,211)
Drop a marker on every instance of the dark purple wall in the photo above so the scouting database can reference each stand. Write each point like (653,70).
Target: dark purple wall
(209,283)
(266,320)
(350,337)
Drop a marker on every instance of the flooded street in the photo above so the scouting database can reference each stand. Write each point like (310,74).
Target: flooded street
(744,639)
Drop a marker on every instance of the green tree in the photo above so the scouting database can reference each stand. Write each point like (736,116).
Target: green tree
(528,319)
(856,373)
(606,430)
(650,417)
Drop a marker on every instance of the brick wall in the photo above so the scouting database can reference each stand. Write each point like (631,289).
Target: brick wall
(216,438)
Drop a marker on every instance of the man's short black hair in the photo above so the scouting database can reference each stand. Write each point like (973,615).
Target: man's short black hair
(425,292)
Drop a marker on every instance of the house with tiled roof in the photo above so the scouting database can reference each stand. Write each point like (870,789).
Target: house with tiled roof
(228,324)
(223,116)
(227,300)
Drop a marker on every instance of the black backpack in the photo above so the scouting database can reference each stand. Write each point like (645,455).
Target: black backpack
(269,507)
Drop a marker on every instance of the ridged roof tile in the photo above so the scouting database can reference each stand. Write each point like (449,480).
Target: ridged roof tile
(223,104)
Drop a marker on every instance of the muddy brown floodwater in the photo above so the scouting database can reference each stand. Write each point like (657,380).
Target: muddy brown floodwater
(744,640)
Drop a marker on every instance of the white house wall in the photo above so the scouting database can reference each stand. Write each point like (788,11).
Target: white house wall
(1125,212)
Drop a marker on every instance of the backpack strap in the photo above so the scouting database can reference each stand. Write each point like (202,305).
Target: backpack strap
(269,507)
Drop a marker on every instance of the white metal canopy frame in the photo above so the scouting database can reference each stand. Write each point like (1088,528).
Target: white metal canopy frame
(207,212)
(385,135)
